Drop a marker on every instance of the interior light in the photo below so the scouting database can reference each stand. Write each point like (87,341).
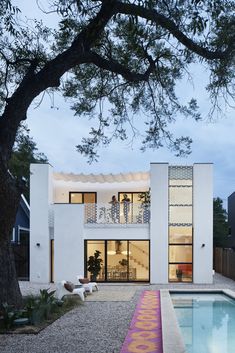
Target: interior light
(125,252)
(111,252)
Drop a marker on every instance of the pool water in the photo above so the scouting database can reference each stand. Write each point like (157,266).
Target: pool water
(207,321)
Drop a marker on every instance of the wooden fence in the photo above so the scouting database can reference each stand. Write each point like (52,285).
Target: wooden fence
(224,262)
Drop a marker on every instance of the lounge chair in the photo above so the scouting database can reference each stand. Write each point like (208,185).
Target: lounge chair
(89,287)
(61,291)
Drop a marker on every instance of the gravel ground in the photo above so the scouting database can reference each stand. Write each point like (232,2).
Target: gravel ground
(92,327)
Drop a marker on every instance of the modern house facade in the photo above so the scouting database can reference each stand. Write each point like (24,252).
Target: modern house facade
(167,240)
(20,231)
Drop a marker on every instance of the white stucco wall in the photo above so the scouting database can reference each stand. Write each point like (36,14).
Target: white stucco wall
(129,231)
(41,192)
(203,223)
(68,242)
(159,223)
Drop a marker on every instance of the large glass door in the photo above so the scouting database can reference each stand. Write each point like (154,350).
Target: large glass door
(91,246)
(139,260)
(123,260)
(117,260)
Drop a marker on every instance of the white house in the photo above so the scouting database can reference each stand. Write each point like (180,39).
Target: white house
(166,241)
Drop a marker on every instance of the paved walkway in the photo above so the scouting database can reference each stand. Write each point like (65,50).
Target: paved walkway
(95,326)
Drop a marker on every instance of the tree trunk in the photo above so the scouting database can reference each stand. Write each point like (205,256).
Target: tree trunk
(9,201)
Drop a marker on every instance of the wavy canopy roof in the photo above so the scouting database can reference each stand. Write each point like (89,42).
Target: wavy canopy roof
(102,178)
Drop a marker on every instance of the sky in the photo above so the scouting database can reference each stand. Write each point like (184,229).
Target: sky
(57,131)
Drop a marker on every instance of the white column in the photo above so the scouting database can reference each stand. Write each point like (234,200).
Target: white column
(202,223)
(41,196)
(69,243)
(159,223)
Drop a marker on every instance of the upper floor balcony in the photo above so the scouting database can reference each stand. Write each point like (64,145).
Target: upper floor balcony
(120,214)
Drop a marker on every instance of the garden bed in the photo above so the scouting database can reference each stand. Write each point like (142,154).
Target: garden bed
(39,313)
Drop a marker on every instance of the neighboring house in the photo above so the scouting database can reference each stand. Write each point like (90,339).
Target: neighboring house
(170,240)
(21,227)
(231,221)
(20,240)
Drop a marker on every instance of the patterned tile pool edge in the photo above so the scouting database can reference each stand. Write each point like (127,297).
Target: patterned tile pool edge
(145,332)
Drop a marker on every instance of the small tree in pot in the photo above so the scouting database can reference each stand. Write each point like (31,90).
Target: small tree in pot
(94,265)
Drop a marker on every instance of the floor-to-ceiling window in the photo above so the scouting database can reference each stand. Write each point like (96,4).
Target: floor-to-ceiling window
(180,224)
(123,260)
(90,248)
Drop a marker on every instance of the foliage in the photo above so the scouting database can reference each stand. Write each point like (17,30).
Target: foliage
(133,54)
(220,224)
(40,307)
(47,297)
(8,315)
(123,262)
(34,309)
(94,264)
(179,273)
(145,197)
(24,153)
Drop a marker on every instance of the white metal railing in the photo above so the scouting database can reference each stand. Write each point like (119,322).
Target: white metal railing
(120,213)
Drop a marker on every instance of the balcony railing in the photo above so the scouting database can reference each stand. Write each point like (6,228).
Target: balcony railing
(105,213)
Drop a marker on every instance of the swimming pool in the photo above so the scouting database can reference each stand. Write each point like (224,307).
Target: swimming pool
(206,320)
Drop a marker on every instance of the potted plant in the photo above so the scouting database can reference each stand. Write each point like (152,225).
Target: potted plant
(94,265)
(179,274)
(144,198)
(123,262)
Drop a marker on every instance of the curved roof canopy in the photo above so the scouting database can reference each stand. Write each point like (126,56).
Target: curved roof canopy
(102,178)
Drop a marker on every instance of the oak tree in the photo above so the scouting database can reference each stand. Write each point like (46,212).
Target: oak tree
(112,59)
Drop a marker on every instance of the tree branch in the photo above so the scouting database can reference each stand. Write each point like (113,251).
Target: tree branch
(49,76)
(167,23)
(114,66)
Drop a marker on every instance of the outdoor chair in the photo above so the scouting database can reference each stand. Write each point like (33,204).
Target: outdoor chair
(61,291)
(88,286)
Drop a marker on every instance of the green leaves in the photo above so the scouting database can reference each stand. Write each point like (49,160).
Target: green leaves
(220,225)
(145,47)
(25,152)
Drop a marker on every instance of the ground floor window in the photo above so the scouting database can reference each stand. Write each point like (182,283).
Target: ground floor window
(180,253)
(123,260)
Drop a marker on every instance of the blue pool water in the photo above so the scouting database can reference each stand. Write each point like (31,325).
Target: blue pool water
(207,321)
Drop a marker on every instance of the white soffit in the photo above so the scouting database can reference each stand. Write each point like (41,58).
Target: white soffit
(102,178)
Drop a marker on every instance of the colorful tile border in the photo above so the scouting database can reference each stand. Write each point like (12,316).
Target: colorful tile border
(145,332)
